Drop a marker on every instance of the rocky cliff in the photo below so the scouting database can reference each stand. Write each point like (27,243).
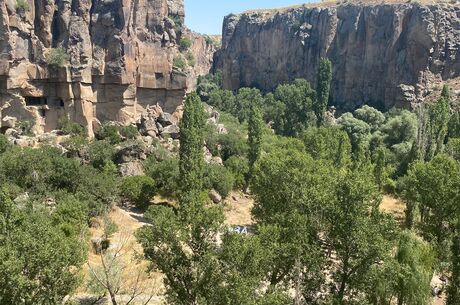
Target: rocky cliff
(94,60)
(382,54)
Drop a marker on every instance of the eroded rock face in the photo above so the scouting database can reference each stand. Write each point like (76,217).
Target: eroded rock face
(384,55)
(120,56)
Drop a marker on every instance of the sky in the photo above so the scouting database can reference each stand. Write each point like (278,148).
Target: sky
(206,16)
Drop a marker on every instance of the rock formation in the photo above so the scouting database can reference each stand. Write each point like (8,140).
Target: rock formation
(382,54)
(94,60)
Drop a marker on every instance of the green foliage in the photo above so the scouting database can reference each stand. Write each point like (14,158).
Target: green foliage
(70,128)
(109,132)
(218,178)
(182,246)
(297,113)
(357,130)
(255,134)
(415,267)
(371,116)
(208,84)
(239,168)
(5,145)
(38,255)
(138,190)
(191,160)
(435,186)
(165,173)
(128,132)
(26,127)
(323,88)
(191,60)
(22,5)
(328,144)
(101,153)
(179,62)
(185,43)
(57,57)
(454,125)
(453,148)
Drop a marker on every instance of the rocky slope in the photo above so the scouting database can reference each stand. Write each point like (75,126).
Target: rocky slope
(111,59)
(382,54)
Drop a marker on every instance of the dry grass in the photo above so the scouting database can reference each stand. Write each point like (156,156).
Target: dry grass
(130,252)
(238,209)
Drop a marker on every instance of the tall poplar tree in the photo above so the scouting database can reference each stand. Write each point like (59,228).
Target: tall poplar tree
(255,133)
(191,160)
(323,89)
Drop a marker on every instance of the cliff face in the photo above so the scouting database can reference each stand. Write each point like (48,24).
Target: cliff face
(384,54)
(118,58)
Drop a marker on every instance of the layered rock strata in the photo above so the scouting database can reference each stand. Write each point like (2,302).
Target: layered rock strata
(384,55)
(94,60)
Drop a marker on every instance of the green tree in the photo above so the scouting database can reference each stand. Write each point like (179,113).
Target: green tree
(380,168)
(297,113)
(358,232)
(323,88)
(453,291)
(415,266)
(191,160)
(328,143)
(138,190)
(255,134)
(182,246)
(291,192)
(40,256)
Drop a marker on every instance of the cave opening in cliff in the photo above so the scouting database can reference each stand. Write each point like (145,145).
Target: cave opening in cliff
(36,100)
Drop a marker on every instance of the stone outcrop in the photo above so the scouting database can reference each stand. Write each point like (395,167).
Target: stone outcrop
(384,55)
(94,60)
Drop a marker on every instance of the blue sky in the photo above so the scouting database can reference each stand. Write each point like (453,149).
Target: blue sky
(205,16)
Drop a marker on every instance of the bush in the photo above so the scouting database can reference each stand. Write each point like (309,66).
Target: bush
(70,128)
(26,127)
(165,173)
(22,5)
(128,132)
(109,132)
(185,43)
(219,178)
(4,144)
(240,169)
(179,62)
(138,190)
(57,57)
(101,153)
(190,59)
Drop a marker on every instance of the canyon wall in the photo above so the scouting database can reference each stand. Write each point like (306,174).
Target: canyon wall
(384,55)
(94,60)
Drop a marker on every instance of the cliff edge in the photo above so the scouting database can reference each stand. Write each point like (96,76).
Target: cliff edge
(383,54)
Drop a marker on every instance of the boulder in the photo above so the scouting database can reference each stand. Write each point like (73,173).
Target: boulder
(172,131)
(133,168)
(215,196)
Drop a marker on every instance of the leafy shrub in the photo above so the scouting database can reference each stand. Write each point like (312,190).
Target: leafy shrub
(190,59)
(219,178)
(4,144)
(138,190)
(185,43)
(165,173)
(26,127)
(70,128)
(109,132)
(101,153)
(453,148)
(179,62)
(128,132)
(240,169)
(22,5)
(57,57)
